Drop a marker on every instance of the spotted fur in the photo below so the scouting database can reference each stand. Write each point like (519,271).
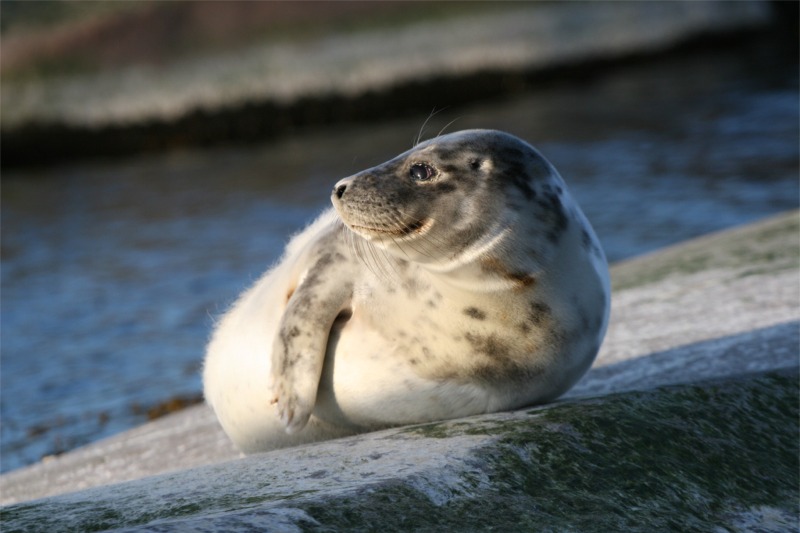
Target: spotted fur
(458,278)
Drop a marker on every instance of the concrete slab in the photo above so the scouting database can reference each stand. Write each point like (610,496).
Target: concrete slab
(719,455)
(675,319)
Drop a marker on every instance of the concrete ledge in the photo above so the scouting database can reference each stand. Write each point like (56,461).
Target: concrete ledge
(768,246)
(715,320)
(700,457)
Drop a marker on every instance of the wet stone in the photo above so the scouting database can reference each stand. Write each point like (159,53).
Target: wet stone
(668,453)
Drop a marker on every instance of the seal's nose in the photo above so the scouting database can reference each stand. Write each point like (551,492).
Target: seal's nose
(340,187)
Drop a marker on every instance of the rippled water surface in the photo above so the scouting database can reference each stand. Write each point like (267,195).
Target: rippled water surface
(112,273)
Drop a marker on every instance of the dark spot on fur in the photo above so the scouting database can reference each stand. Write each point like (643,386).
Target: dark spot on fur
(413,361)
(449,154)
(475,164)
(301,302)
(289,294)
(415,287)
(539,313)
(521,167)
(492,265)
(506,371)
(432,304)
(444,187)
(312,278)
(488,345)
(474,312)
(515,174)
(589,243)
(552,215)
(525,188)
(450,169)
(522,279)
(286,337)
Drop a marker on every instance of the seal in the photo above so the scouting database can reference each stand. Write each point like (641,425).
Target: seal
(458,278)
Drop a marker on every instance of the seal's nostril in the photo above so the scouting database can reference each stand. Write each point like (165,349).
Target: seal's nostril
(339,191)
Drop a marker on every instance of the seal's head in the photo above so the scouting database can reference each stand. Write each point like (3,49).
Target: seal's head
(441,197)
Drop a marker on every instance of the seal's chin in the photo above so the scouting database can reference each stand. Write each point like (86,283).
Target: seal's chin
(404,231)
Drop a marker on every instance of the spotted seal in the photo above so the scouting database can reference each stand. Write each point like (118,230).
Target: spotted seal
(458,278)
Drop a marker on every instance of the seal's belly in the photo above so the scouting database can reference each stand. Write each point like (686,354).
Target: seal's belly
(372,378)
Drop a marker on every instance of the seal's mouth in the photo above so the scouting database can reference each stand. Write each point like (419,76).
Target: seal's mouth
(416,228)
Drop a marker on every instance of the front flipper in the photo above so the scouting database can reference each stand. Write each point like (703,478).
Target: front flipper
(299,348)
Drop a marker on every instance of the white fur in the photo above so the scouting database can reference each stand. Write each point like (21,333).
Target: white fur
(368,379)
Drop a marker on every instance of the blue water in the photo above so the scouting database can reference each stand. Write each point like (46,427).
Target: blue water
(113,271)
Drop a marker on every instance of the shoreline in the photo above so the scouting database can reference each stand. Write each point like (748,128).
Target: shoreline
(339,80)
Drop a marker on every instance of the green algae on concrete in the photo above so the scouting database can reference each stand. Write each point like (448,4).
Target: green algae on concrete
(713,456)
(685,458)
(769,246)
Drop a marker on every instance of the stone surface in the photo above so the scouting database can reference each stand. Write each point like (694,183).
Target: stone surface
(674,319)
(184,439)
(717,455)
(721,294)
(716,308)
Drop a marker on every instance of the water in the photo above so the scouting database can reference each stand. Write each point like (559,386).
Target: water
(112,272)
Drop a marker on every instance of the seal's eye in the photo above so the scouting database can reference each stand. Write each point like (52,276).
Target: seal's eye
(421,172)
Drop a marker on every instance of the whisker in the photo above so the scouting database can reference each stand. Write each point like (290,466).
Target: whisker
(432,114)
(420,245)
(377,261)
(418,221)
(447,126)
(400,226)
